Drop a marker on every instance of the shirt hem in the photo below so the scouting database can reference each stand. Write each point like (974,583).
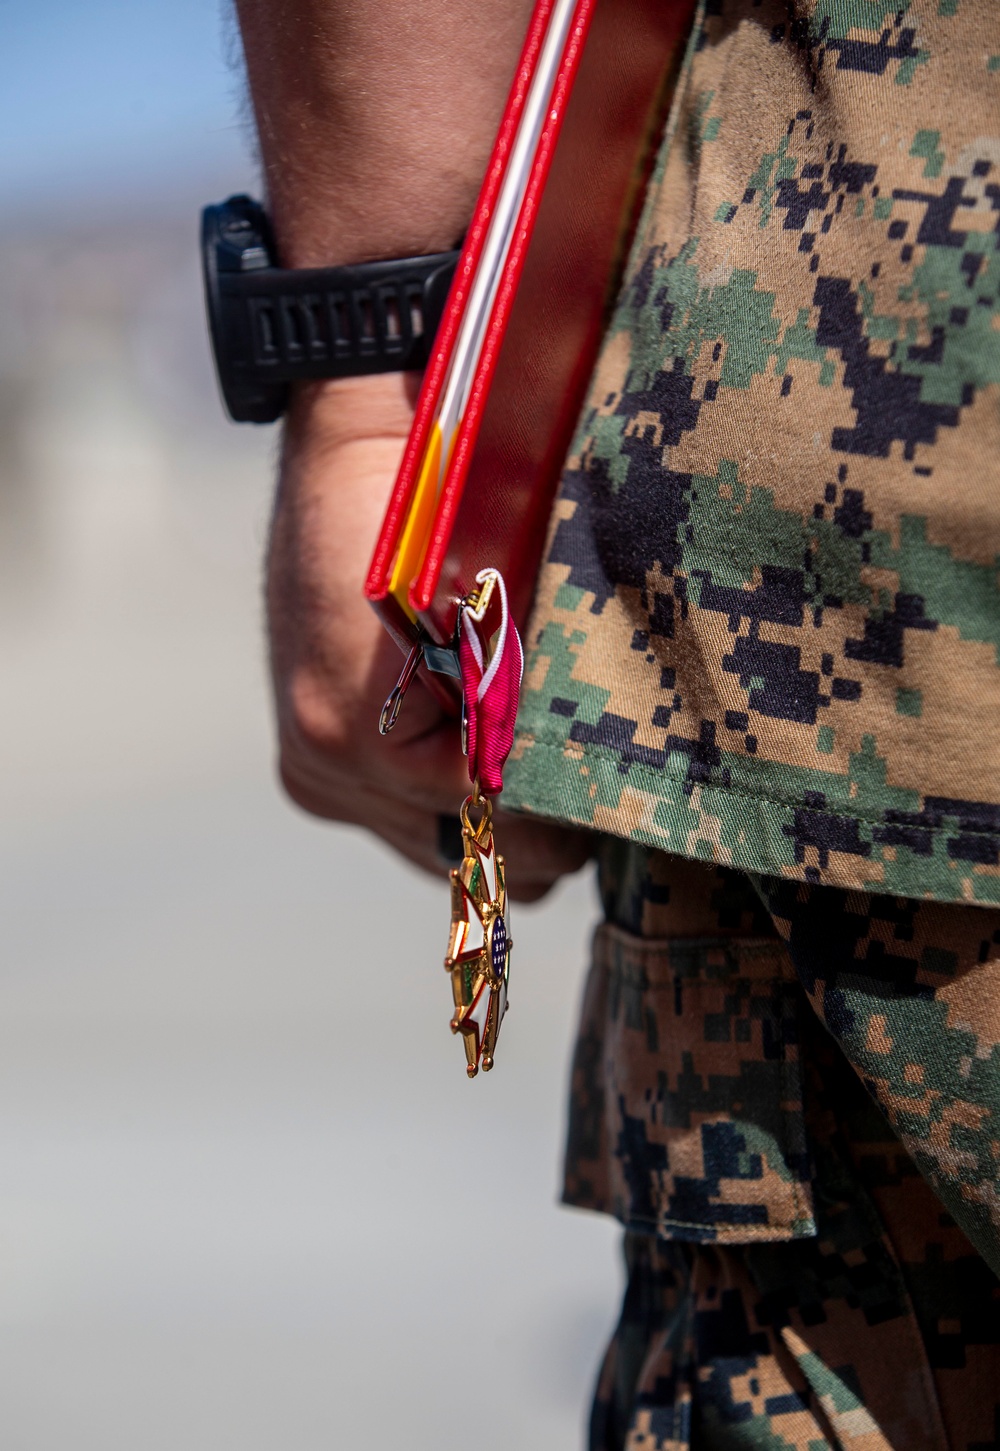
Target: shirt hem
(771,844)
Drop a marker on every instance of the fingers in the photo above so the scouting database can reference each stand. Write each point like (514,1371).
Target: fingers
(333,664)
(537,853)
(403,794)
(428,773)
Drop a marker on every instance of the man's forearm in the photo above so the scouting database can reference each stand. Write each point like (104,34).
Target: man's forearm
(376,118)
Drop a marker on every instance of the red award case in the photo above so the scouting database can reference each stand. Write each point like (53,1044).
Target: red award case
(475,488)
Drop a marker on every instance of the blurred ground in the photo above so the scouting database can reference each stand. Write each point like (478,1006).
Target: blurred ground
(247,1197)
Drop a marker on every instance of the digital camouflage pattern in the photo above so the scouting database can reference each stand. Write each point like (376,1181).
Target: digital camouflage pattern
(910,991)
(878,1325)
(687,1095)
(767,641)
(768,626)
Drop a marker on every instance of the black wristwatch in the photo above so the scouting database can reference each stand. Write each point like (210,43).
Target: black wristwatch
(271,325)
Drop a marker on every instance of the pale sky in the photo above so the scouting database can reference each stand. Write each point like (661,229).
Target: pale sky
(106,96)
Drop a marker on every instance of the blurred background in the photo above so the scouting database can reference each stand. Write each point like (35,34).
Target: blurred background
(247,1196)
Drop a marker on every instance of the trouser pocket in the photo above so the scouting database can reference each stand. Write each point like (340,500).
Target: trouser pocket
(686,1113)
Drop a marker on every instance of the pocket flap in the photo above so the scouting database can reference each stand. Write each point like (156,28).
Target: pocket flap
(686,1111)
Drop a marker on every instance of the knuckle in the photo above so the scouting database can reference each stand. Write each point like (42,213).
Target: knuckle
(308,791)
(527,892)
(311,722)
(296,787)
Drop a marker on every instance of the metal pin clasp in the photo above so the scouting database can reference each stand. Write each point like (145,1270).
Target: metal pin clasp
(390,711)
(477,600)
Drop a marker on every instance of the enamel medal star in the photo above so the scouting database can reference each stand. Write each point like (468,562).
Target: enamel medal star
(479,947)
(489,663)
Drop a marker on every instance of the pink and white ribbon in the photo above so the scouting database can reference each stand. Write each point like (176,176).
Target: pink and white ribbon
(492,662)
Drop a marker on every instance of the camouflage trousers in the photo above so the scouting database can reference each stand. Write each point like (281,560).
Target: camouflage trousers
(784,1093)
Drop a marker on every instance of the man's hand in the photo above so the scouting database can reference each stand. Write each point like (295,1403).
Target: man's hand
(333,662)
(375,123)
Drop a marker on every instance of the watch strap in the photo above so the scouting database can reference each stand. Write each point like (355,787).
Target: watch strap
(271,326)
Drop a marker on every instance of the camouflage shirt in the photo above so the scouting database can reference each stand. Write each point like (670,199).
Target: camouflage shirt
(768,622)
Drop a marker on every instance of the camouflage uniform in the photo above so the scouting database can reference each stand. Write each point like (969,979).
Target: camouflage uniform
(769,619)
(767,638)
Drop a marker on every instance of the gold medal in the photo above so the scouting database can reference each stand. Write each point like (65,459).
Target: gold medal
(479,947)
(487,658)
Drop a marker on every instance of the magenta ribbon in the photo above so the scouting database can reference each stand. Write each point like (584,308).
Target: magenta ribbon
(491,681)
